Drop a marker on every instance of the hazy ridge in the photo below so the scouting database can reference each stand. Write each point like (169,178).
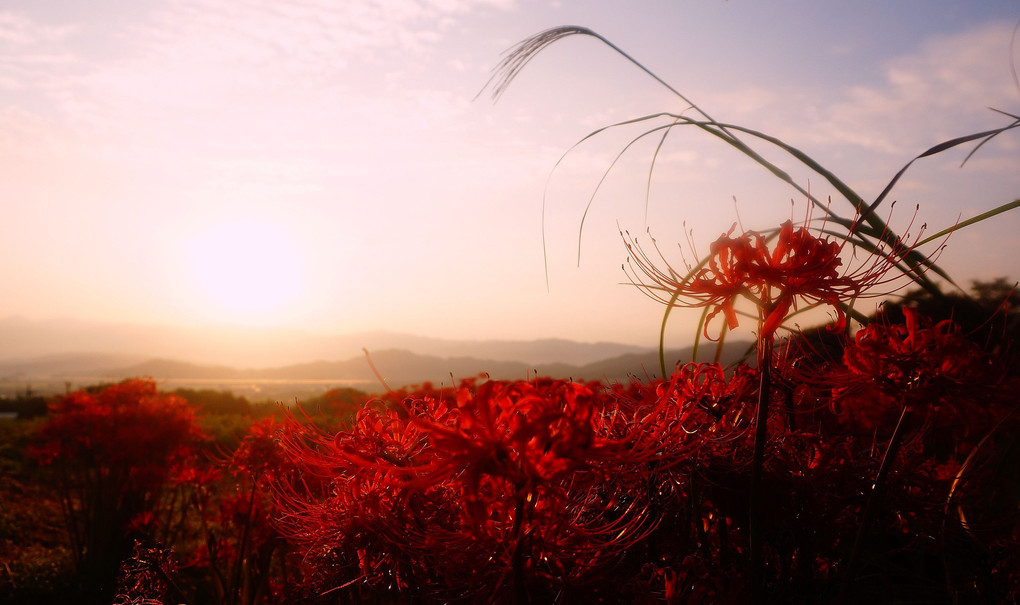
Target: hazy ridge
(397,367)
(408,360)
(23,339)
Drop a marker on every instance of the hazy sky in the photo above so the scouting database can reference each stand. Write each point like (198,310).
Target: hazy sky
(323,164)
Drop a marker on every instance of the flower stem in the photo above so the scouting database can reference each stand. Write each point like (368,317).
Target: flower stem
(757,559)
(517,558)
(872,506)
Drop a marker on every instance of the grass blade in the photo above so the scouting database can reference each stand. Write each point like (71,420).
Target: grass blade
(972,220)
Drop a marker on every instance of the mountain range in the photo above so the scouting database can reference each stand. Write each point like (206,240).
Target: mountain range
(89,355)
(24,339)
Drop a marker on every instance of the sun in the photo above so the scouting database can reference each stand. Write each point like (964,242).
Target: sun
(245,271)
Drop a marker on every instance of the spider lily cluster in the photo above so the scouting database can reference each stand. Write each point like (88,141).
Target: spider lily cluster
(553,491)
(556,491)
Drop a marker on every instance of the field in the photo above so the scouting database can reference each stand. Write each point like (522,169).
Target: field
(889,473)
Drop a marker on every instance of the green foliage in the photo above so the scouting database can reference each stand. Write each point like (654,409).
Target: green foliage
(34,574)
(340,403)
(14,437)
(209,401)
(25,405)
(35,562)
(225,431)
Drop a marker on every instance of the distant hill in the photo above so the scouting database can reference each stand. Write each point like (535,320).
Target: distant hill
(401,368)
(66,364)
(23,339)
(169,368)
(127,351)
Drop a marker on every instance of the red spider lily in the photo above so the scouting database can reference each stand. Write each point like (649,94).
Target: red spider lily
(512,430)
(260,454)
(114,451)
(910,371)
(358,531)
(505,490)
(528,486)
(529,463)
(196,476)
(668,423)
(706,386)
(624,493)
(918,363)
(147,577)
(801,266)
(241,547)
(127,427)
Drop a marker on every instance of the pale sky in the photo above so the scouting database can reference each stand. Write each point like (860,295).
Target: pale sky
(324,165)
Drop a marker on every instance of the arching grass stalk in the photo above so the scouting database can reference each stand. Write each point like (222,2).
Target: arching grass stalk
(868,224)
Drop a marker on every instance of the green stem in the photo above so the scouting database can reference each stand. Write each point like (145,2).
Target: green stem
(757,548)
(872,506)
(517,558)
(662,338)
(236,587)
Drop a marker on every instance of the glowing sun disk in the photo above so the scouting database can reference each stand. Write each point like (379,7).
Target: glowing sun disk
(245,270)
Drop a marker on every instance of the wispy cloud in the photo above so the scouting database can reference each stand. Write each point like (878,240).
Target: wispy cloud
(33,55)
(310,38)
(188,55)
(941,91)
(249,92)
(19,30)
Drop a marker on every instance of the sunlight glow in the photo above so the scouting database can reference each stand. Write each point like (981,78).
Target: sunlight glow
(245,271)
